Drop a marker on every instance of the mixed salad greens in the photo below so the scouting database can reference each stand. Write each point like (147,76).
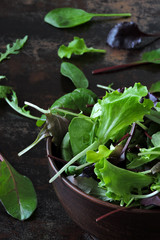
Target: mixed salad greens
(110,146)
(119,142)
(115,141)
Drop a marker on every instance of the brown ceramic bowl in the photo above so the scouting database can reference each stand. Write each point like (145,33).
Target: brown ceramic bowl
(128,224)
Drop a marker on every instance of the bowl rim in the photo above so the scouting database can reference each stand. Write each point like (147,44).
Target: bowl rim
(85,195)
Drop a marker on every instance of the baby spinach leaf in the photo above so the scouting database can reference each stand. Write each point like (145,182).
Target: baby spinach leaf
(17,193)
(120,183)
(66,149)
(76,101)
(4,91)
(75,74)
(13,103)
(152,56)
(14,48)
(81,132)
(71,17)
(77,47)
(146,58)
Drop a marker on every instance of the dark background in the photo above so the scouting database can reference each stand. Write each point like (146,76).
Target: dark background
(35,76)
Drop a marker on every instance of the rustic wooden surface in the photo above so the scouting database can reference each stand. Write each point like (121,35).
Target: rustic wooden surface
(35,76)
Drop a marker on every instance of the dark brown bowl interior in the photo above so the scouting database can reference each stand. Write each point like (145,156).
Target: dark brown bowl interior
(128,224)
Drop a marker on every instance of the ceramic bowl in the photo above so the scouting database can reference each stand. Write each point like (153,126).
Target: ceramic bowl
(128,224)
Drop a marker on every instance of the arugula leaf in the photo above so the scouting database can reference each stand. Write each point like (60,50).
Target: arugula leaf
(77,47)
(146,155)
(14,49)
(71,17)
(14,104)
(75,74)
(17,193)
(4,91)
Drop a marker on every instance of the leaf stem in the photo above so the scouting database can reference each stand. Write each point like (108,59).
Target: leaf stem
(147,171)
(37,108)
(93,146)
(42,134)
(111,14)
(142,125)
(83,166)
(152,152)
(65,112)
(118,67)
(146,196)
(105,87)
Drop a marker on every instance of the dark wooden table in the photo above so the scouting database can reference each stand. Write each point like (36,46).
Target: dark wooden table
(35,76)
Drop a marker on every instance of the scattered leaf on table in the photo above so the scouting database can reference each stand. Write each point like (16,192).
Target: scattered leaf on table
(77,47)
(14,48)
(75,74)
(146,58)
(21,110)
(17,193)
(127,35)
(71,17)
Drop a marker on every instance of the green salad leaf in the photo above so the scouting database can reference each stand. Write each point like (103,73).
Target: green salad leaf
(75,74)
(13,49)
(120,183)
(76,101)
(13,103)
(109,116)
(118,110)
(81,132)
(77,47)
(17,193)
(4,91)
(146,155)
(155,87)
(71,17)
